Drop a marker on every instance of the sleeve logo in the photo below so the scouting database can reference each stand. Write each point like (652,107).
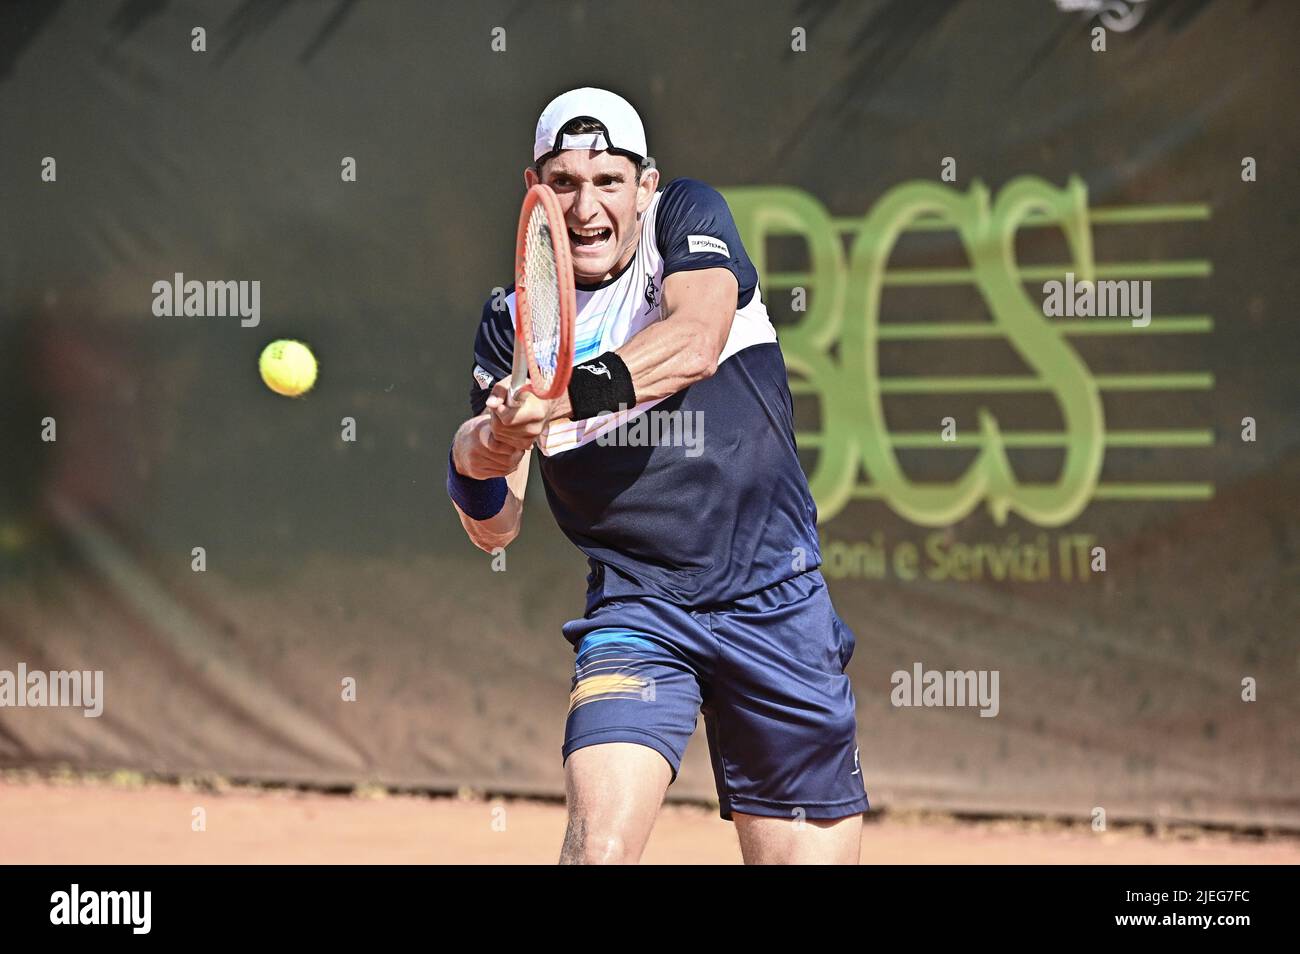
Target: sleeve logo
(707,243)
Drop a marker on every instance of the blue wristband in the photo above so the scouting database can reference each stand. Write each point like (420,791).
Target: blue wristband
(479,499)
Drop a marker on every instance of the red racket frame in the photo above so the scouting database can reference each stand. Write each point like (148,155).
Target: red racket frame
(544,196)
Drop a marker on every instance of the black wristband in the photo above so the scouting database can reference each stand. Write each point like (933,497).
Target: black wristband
(601,386)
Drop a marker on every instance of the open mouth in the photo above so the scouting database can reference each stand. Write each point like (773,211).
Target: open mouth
(588,238)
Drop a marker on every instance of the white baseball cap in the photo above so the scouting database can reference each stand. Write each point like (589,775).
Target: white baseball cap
(623,129)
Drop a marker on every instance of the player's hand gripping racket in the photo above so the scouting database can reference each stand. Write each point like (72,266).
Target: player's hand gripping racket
(544,299)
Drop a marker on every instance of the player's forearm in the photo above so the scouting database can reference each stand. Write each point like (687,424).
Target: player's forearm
(664,358)
(472,456)
(497,531)
(673,354)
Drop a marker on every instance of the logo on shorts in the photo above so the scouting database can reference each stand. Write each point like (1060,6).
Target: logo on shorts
(856,767)
(482,377)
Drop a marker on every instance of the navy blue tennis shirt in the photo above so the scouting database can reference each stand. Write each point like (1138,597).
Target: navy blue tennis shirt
(700,525)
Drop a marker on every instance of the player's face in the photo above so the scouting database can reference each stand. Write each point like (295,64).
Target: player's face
(601,201)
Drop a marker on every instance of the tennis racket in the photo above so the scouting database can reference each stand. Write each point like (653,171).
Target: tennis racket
(544,299)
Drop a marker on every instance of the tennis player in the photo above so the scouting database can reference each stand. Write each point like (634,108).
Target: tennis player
(704,593)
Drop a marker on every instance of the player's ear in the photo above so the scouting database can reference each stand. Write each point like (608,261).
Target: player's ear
(530,178)
(646,188)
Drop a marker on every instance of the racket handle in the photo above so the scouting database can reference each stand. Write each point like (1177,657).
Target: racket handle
(518,373)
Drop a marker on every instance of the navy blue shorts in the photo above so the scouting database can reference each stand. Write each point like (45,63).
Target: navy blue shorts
(767,672)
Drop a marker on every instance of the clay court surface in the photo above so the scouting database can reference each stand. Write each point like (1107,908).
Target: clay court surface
(81,822)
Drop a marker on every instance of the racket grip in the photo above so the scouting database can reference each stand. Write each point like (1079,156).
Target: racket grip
(518,373)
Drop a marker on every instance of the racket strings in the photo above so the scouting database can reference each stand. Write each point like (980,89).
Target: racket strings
(543,289)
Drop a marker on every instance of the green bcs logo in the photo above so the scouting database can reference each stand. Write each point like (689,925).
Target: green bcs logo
(833,350)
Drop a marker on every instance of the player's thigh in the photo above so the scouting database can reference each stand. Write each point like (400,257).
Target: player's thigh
(614,792)
(782,719)
(633,707)
(633,683)
(766,840)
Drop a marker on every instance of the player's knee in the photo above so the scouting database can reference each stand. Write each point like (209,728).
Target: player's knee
(585,845)
(610,849)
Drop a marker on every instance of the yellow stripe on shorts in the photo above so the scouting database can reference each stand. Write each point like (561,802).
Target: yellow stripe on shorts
(601,687)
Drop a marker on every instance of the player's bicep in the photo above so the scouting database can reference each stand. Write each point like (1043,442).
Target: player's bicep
(706,297)
(707,291)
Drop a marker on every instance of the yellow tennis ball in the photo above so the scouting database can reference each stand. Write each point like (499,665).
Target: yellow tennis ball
(288,367)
